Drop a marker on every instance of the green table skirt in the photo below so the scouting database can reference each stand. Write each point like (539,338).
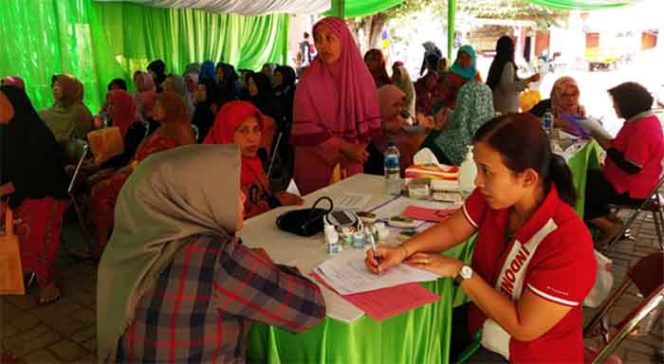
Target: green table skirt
(588,157)
(418,336)
(421,335)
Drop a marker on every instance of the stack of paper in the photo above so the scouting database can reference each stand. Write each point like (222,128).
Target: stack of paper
(379,296)
(347,274)
(384,303)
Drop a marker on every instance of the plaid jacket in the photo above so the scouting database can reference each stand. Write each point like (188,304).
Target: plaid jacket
(203,303)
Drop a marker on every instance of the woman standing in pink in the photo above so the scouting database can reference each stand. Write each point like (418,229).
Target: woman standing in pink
(336,109)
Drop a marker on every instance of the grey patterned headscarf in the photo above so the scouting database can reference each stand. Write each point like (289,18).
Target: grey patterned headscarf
(172,195)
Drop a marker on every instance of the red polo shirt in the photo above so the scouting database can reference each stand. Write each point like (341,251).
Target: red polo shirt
(642,143)
(561,268)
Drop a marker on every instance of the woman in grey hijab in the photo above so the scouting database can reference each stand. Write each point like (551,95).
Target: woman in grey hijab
(178,85)
(174,256)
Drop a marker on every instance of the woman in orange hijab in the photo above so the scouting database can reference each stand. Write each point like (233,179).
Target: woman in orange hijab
(241,123)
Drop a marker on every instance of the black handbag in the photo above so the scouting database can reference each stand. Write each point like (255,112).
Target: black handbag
(305,222)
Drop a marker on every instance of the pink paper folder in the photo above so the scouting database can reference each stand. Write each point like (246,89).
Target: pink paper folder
(427,214)
(384,303)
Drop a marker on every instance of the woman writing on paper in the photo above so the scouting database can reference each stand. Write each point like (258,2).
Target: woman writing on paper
(533,262)
(634,159)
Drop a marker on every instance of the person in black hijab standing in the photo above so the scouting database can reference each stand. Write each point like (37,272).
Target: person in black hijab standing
(33,180)
(503,79)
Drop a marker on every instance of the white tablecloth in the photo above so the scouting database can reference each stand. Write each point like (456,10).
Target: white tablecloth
(306,253)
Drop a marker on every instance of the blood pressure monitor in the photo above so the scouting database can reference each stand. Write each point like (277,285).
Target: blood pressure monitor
(342,218)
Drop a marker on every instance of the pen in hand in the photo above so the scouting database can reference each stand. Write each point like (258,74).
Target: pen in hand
(372,241)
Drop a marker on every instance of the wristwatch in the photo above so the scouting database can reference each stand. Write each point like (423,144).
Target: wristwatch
(466,272)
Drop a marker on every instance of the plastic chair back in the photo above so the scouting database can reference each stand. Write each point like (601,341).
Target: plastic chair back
(648,273)
(648,276)
(637,210)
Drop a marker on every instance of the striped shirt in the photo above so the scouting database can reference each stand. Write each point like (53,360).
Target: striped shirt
(203,303)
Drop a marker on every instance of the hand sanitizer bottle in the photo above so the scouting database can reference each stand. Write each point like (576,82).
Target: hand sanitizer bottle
(467,173)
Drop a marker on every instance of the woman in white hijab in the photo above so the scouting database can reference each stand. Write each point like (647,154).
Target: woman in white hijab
(401,79)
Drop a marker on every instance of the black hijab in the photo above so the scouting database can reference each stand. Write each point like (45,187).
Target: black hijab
(288,75)
(159,68)
(504,55)
(203,116)
(285,94)
(228,86)
(264,100)
(31,158)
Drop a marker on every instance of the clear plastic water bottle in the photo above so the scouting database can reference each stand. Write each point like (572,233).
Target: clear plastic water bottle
(392,170)
(547,122)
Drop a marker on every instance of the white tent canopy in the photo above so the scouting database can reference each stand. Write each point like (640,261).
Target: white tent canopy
(243,7)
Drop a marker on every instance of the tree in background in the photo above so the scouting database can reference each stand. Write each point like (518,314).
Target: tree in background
(372,26)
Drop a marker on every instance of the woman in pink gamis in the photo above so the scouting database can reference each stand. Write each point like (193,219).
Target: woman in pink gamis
(336,109)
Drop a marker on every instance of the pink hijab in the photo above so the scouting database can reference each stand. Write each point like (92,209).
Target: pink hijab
(14,81)
(146,95)
(124,110)
(339,100)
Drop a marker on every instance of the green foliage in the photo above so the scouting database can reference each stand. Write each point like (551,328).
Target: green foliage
(493,9)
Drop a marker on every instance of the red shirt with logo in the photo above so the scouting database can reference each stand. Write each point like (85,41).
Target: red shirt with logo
(553,254)
(642,143)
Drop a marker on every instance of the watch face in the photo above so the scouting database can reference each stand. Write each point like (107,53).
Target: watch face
(466,272)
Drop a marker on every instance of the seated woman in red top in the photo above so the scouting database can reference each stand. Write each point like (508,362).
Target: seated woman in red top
(634,159)
(241,123)
(533,262)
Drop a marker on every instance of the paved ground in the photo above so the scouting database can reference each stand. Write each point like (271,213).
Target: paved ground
(65,331)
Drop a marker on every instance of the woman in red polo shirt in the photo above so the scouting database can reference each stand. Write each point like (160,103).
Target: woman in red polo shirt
(634,160)
(533,262)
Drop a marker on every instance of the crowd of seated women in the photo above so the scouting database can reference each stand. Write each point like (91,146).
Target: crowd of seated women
(164,112)
(161,206)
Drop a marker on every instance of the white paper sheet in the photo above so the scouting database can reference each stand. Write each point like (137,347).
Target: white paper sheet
(351,201)
(347,274)
(593,126)
(292,188)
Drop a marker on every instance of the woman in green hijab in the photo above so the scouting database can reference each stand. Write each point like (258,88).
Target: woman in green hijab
(474,108)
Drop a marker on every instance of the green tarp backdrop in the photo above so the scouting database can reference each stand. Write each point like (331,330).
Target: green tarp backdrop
(97,42)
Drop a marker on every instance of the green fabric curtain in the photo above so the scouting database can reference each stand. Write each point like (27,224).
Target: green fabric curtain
(97,42)
(358,8)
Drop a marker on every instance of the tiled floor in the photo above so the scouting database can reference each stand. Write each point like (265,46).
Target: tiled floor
(65,331)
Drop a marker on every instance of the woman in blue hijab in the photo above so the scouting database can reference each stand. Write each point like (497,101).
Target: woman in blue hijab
(462,70)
